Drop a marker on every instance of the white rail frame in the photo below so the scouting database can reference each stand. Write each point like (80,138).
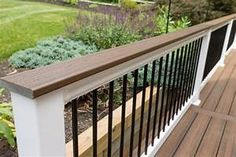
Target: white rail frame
(40,122)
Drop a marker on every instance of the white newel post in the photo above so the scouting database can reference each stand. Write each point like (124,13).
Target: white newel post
(201,67)
(39,125)
(222,59)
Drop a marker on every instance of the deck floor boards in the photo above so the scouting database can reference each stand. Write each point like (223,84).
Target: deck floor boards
(208,130)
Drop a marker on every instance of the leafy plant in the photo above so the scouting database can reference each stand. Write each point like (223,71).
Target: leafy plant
(113,30)
(7,129)
(72,2)
(104,32)
(50,51)
(129,4)
(174,25)
(105,37)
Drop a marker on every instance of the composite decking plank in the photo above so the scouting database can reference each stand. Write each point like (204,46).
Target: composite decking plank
(216,93)
(192,139)
(211,139)
(233,108)
(214,79)
(175,138)
(230,59)
(228,146)
(227,98)
(213,131)
(210,85)
(214,114)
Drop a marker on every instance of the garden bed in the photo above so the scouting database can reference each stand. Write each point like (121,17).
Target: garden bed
(99,7)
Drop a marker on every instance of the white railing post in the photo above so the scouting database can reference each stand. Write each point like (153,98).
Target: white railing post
(39,125)
(201,67)
(226,41)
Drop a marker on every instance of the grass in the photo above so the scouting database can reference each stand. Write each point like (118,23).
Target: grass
(23,23)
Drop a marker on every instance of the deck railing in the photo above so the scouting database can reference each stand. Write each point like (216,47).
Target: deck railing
(159,78)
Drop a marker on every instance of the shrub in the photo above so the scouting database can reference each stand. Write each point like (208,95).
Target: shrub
(112,30)
(7,129)
(50,51)
(102,31)
(129,4)
(93,5)
(72,2)
(105,37)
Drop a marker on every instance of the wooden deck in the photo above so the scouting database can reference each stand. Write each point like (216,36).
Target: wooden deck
(208,130)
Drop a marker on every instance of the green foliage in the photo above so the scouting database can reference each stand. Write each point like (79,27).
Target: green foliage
(72,2)
(129,4)
(183,22)
(174,25)
(160,21)
(7,129)
(93,5)
(201,10)
(50,51)
(105,37)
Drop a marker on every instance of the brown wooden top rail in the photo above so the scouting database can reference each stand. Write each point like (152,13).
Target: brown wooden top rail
(37,82)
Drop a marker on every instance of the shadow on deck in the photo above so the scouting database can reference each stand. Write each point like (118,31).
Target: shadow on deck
(209,129)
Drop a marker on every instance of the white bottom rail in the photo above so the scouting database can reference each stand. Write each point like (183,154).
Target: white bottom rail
(152,150)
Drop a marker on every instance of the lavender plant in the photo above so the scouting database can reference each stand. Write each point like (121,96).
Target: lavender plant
(114,29)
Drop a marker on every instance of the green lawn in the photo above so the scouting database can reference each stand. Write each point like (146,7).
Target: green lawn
(23,23)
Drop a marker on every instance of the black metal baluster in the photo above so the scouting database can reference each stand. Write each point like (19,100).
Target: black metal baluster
(123,115)
(175,83)
(133,112)
(192,63)
(74,104)
(95,123)
(187,94)
(142,109)
(179,80)
(182,77)
(150,104)
(163,95)
(157,99)
(110,117)
(196,64)
(187,69)
(171,84)
(167,107)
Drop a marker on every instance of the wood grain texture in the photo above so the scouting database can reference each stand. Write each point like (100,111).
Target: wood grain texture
(171,145)
(35,83)
(212,138)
